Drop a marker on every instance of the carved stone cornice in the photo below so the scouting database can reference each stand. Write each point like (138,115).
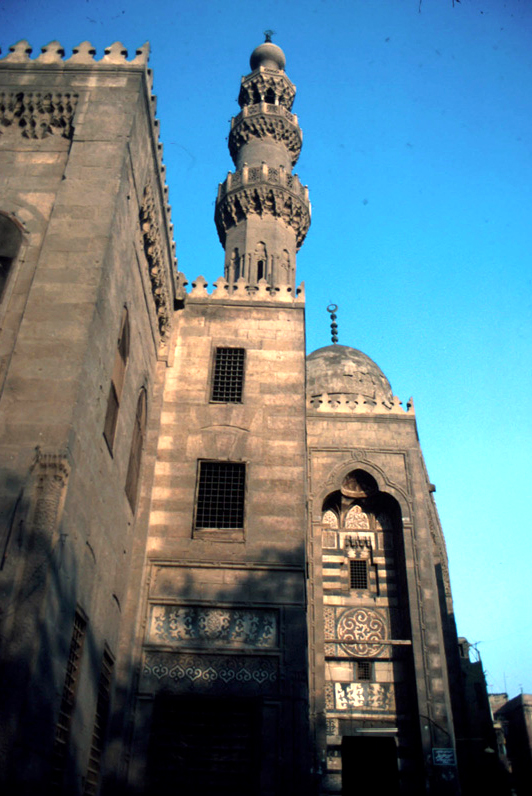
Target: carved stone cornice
(266,121)
(263,191)
(153,249)
(267,85)
(37,114)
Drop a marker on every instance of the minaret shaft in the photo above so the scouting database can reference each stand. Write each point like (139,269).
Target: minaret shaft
(262,210)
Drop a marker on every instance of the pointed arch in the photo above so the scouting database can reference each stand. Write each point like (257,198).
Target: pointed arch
(10,243)
(261,261)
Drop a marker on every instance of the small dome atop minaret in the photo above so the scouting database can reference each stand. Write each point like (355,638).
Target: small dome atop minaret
(267,54)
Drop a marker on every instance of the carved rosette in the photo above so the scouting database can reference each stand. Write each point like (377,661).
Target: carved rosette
(266,121)
(38,115)
(152,244)
(364,628)
(267,85)
(274,193)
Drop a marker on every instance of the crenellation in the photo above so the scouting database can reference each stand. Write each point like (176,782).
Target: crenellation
(82,54)
(115,55)
(242,290)
(19,52)
(51,53)
(345,403)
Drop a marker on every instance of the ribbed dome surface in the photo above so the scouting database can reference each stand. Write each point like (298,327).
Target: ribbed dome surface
(339,369)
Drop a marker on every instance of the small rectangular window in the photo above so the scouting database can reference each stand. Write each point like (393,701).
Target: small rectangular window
(100,726)
(220,498)
(358,574)
(363,669)
(68,701)
(228,378)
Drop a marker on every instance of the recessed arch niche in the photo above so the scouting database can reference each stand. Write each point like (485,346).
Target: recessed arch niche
(10,243)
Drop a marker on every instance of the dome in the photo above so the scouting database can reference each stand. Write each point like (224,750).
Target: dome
(269,55)
(339,369)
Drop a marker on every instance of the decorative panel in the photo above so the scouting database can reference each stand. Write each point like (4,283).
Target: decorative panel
(355,518)
(329,696)
(329,539)
(356,632)
(198,673)
(200,626)
(330,519)
(364,697)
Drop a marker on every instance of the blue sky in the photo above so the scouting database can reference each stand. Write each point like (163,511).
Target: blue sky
(417,154)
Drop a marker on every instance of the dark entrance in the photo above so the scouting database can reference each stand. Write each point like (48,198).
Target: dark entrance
(203,746)
(366,760)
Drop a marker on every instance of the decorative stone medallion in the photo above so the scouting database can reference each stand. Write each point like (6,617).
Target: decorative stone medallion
(366,627)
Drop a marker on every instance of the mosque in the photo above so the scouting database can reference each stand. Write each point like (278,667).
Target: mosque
(222,569)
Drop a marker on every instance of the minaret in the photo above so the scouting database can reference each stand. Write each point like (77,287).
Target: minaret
(262,210)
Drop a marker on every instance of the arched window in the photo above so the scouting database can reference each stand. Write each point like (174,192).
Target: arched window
(117,381)
(235,264)
(261,258)
(10,241)
(135,453)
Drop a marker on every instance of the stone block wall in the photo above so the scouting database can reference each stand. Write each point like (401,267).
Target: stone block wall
(78,154)
(224,611)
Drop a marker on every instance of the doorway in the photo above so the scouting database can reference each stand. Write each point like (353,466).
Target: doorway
(366,758)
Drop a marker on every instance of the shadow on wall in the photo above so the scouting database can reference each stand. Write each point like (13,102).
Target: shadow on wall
(50,662)
(221,701)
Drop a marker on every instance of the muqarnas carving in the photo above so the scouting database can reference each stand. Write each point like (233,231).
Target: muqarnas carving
(151,240)
(36,115)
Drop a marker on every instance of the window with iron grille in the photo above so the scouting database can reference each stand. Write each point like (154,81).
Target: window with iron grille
(228,379)
(135,452)
(220,497)
(100,726)
(358,574)
(364,671)
(117,381)
(68,701)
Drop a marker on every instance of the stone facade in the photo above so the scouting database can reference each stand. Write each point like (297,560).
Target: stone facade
(211,574)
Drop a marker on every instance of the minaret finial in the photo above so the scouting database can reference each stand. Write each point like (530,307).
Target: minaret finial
(268,34)
(332,309)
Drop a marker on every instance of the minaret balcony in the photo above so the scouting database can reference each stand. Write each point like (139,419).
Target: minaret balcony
(264,191)
(266,122)
(249,175)
(267,85)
